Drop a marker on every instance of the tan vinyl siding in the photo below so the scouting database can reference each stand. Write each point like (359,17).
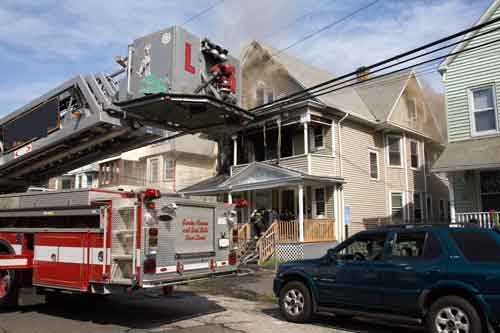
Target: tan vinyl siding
(469,70)
(189,171)
(322,165)
(364,196)
(295,162)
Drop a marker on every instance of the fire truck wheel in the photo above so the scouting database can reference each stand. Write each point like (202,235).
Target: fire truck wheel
(9,288)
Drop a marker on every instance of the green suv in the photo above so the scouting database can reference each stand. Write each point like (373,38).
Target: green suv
(445,277)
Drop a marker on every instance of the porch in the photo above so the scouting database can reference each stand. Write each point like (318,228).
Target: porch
(293,208)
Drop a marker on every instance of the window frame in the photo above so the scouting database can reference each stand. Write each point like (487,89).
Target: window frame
(393,239)
(388,150)
(266,90)
(150,171)
(413,101)
(313,138)
(170,163)
(417,143)
(421,204)
(373,151)
(391,207)
(315,201)
(472,111)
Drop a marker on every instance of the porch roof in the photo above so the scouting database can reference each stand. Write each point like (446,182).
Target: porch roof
(469,155)
(256,176)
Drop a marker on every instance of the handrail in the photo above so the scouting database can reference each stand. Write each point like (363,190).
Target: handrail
(267,243)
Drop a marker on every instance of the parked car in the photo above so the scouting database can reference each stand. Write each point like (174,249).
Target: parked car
(446,277)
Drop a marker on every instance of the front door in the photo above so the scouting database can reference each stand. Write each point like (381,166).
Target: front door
(351,278)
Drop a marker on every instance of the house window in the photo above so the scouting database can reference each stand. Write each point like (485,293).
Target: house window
(153,170)
(169,167)
(417,207)
(318,137)
(412,110)
(397,206)
(429,208)
(90,180)
(414,154)
(263,94)
(442,213)
(66,184)
(483,108)
(319,203)
(374,165)
(394,148)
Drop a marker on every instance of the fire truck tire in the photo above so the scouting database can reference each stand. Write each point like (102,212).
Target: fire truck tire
(9,285)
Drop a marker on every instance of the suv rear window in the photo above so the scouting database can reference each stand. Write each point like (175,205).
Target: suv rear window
(477,246)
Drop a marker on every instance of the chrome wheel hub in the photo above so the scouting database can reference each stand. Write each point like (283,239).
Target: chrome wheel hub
(452,320)
(4,283)
(294,302)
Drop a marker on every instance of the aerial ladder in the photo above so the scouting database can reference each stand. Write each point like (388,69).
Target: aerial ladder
(101,241)
(170,80)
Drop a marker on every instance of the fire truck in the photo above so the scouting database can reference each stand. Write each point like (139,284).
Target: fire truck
(100,241)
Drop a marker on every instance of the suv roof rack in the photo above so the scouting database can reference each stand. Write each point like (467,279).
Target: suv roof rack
(422,225)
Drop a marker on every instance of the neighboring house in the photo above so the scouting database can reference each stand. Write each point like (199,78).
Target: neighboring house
(359,155)
(84,177)
(472,156)
(167,166)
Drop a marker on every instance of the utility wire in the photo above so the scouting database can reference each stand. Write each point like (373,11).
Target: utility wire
(298,19)
(329,86)
(297,100)
(201,13)
(326,27)
(383,62)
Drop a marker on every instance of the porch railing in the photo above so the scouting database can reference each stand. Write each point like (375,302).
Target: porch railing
(266,245)
(483,219)
(319,230)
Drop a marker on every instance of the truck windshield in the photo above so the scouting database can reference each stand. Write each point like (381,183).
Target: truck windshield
(478,246)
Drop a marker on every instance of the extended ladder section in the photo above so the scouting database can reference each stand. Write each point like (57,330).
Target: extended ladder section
(173,82)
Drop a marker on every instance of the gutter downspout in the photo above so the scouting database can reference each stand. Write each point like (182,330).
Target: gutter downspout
(341,227)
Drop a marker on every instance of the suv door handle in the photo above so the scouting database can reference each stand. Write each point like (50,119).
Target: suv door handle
(433,270)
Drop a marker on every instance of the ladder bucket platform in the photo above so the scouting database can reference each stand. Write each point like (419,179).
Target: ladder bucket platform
(187,113)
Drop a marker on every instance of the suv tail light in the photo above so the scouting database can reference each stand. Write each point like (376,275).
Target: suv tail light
(233,258)
(149,265)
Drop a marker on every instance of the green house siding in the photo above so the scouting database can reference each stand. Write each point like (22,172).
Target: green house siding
(469,70)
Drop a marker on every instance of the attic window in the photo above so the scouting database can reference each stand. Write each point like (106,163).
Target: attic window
(264,94)
(412,110)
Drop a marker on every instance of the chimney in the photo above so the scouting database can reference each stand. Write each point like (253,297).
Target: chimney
(362,74)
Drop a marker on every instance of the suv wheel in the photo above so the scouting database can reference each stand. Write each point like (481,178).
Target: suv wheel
(295,302)
(452,314)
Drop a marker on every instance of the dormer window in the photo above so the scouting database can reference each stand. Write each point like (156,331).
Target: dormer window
(412,110)
(264,94)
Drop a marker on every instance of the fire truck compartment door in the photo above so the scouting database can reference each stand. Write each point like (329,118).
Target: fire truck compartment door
(195,231)
(60,260)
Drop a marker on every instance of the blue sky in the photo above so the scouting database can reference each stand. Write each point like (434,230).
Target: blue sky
(45,42)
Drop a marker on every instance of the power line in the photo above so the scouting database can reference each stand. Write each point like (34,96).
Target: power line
(329,86)
(297,19)
(383,62)
(326,27)
(328,91)
(203,12)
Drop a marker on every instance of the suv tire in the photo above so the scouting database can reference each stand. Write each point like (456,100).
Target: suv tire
(295,302)
(450,313)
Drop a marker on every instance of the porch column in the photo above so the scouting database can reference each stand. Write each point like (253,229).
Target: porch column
(451,191)
(235,150)
(230,198)
(301,212)
(306,138)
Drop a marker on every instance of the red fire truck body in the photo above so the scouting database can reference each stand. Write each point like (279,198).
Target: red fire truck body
(95,241)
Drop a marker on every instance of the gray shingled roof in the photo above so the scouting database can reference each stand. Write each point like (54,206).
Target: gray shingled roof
(469,155)
(372,101)
(307,76)
(380,95)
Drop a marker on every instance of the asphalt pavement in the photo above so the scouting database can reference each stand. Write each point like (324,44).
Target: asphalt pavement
(198,308)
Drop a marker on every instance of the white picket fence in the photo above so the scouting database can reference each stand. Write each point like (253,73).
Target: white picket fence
(483,219)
